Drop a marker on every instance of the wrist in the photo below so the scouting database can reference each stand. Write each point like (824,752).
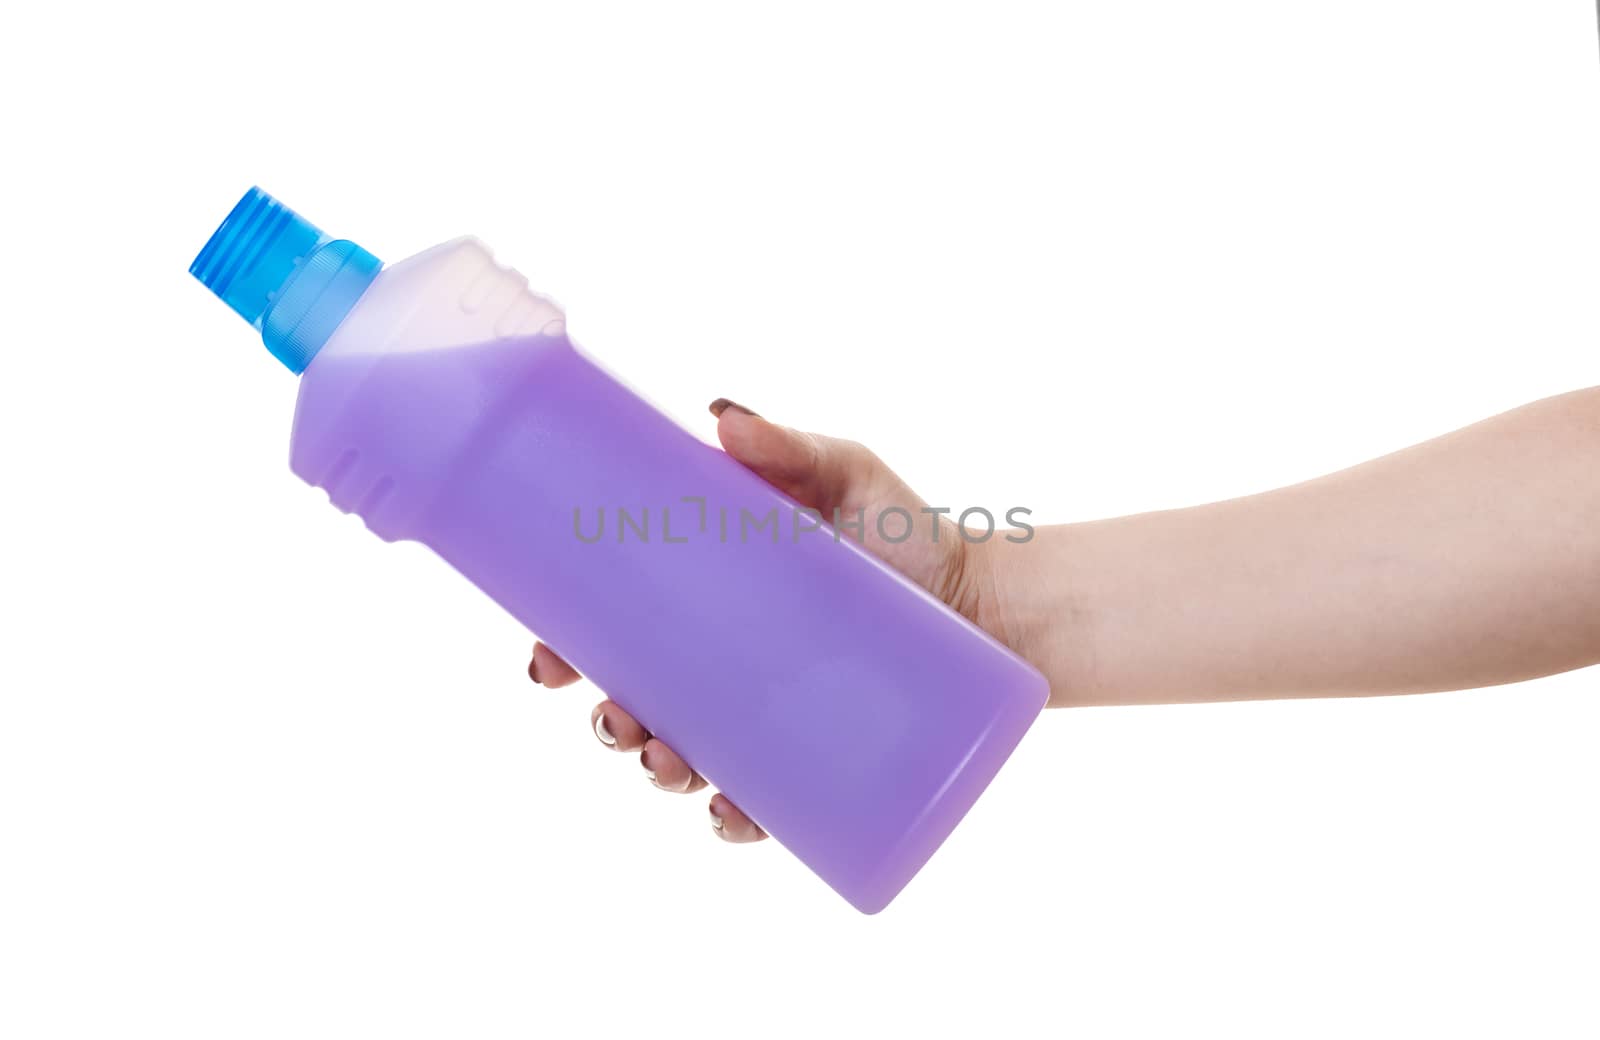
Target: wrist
(1032,597)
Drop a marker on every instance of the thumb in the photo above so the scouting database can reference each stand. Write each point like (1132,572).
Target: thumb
(820,472)
(828,474)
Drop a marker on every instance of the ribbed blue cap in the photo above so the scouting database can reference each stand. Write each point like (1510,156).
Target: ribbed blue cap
(280,273)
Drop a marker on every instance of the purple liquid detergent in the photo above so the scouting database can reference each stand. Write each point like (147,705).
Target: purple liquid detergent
(845,710)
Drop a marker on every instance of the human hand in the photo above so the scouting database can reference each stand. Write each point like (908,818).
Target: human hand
(826,474)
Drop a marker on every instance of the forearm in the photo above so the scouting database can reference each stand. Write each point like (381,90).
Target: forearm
(1470,560)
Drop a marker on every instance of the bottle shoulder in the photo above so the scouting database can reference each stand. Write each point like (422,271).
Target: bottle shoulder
(454,293)
(416,366)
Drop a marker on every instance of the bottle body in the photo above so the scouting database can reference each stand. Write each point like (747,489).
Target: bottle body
(851,715)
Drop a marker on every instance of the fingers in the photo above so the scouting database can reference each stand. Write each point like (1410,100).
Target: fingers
(732,825)
(549,669)
(619,731)
(663,766)
(616,729)
(666,770)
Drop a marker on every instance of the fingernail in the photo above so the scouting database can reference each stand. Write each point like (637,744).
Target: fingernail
(722,404)
(716,821)
(651,773)
(533,670)
(601,731)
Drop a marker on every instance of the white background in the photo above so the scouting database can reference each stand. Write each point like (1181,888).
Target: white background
(262,775)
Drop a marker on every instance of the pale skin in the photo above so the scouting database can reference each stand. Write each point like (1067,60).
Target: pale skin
(1469,560)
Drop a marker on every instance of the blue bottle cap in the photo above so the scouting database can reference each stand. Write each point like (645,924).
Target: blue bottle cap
(280,273)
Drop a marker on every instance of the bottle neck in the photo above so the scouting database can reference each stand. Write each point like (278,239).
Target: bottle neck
(315,300)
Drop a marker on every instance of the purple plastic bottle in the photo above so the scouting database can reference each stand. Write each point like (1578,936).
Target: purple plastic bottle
(849,713)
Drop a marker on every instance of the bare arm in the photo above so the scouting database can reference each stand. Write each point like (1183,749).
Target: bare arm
(1469,560)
